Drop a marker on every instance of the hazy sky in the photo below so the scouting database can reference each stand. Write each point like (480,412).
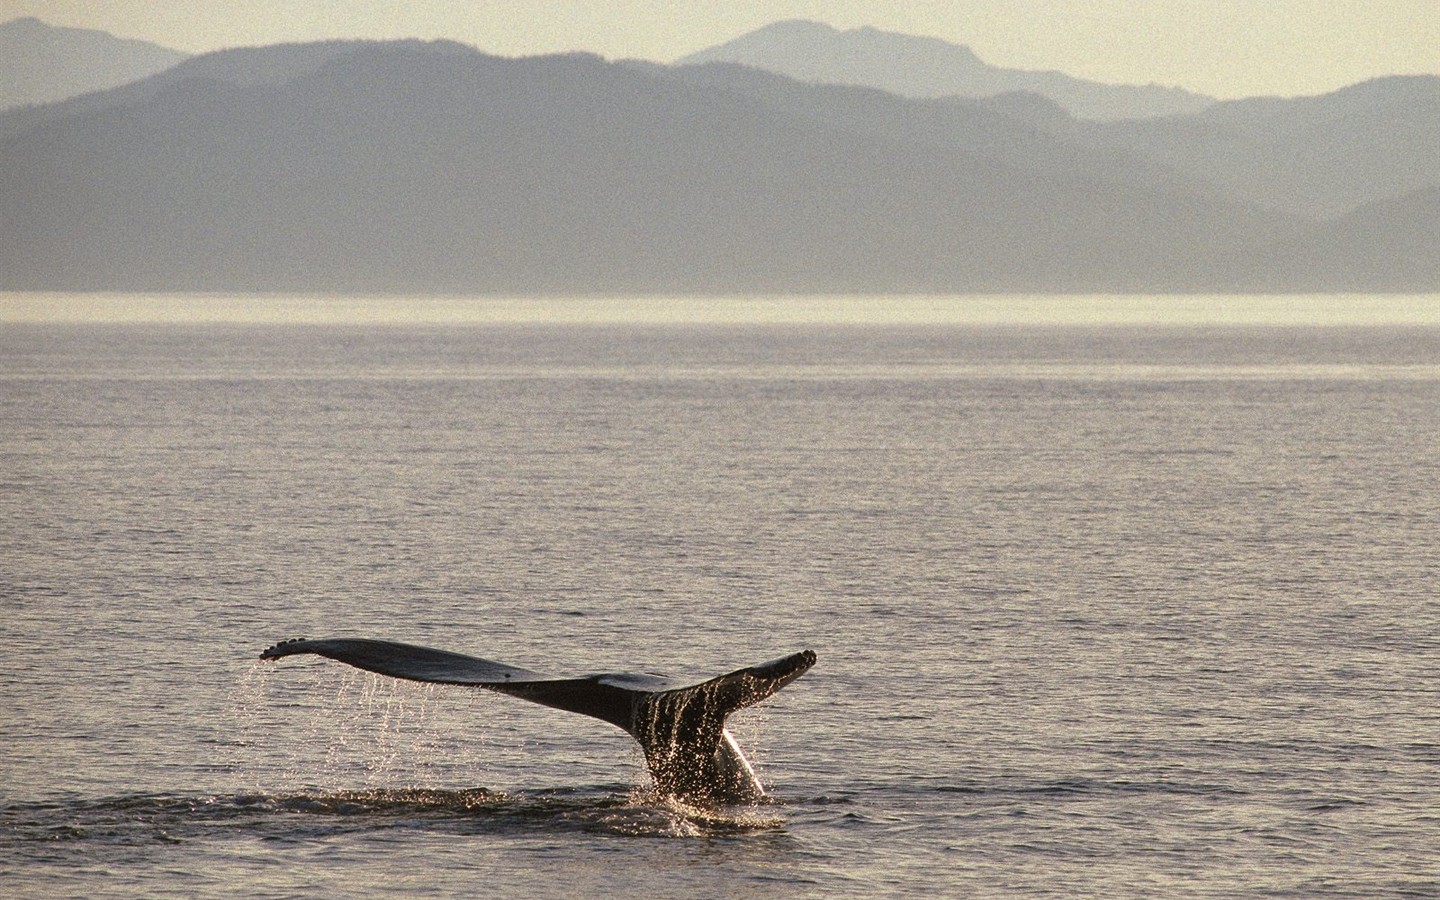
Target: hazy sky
(1228,48)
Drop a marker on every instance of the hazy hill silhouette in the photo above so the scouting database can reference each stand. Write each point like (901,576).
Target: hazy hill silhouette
(1391,242)
(42,63)
(915,66)
(1365,153)
(1321,156)
(1316,156)
(432,167)
(240,66)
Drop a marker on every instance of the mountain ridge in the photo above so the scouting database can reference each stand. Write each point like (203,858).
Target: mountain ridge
(414,167)
(923,66)
(1319,156)
(42,63)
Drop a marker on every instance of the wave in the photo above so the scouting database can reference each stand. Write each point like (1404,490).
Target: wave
(145,818)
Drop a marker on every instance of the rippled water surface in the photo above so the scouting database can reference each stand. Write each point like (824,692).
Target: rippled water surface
(1106,610)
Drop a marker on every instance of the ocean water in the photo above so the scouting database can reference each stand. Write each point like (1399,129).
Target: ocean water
(1124,600)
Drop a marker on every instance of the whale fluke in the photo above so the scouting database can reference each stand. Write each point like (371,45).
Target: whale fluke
(680,726)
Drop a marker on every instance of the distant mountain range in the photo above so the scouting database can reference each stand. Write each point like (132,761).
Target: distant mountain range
(929,67)
(41,63)
(432,167)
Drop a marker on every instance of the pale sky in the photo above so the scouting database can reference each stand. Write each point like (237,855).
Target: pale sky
(1227,48)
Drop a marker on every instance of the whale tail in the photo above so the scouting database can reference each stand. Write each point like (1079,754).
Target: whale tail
(679,726)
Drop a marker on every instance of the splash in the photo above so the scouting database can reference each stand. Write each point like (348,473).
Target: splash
(689,749)
(349,729)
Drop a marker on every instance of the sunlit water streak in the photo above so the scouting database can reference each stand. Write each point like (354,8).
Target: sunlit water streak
(1132,610)
(1292,310)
